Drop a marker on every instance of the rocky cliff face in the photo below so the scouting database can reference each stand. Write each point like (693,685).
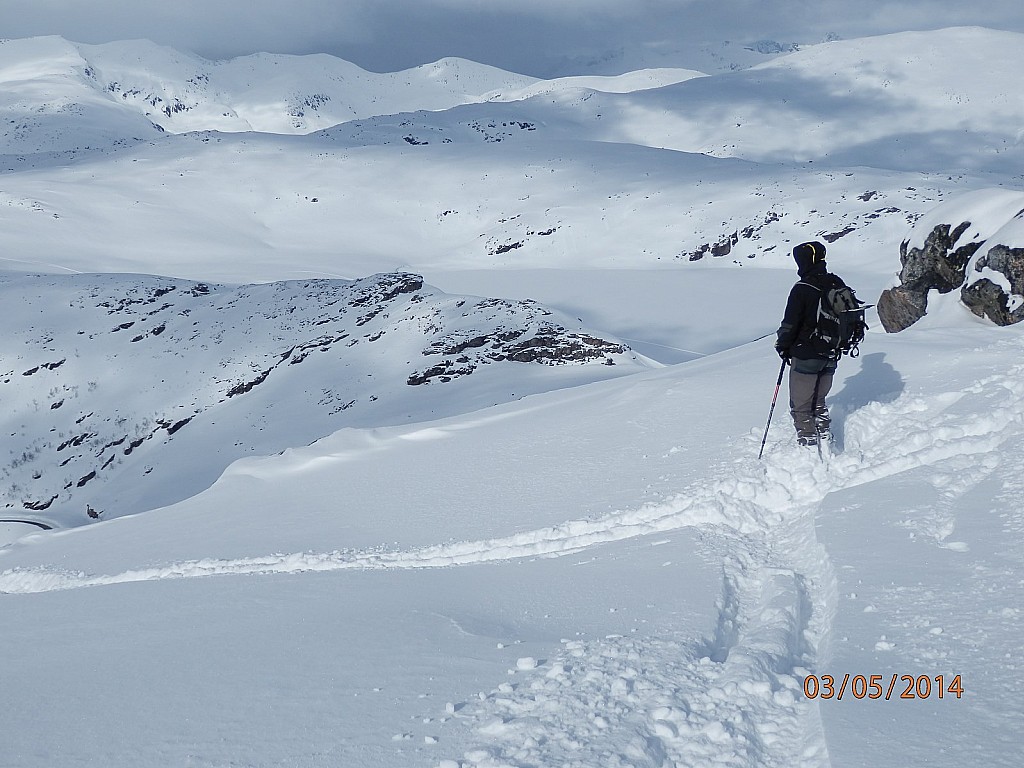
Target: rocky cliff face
(966,247)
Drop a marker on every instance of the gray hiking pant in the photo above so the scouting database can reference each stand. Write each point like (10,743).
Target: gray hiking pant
(809,383)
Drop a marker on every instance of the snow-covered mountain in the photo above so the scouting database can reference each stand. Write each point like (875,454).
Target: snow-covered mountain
(126,393)
(539,182)
(908,101)
(180,92)
(448,532)
(941,101)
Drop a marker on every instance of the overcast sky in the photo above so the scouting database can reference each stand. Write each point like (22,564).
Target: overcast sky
(537,37)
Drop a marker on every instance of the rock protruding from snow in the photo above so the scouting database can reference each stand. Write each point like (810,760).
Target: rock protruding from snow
(975,243)
(938,265)
(996,287)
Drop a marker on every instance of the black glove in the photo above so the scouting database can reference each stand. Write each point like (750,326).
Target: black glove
(783,353)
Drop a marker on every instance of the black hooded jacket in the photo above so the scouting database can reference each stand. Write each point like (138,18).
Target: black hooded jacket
(801,315)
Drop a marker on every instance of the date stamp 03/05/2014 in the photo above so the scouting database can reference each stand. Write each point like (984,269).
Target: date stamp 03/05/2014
(888,687)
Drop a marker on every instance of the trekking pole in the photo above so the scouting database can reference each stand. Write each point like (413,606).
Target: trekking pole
(814,414)
(775,397)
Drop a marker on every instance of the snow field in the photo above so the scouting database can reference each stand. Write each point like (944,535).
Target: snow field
(774,609)
(929,586)
(726,691)
(775,619)
(603,575)
(263,207)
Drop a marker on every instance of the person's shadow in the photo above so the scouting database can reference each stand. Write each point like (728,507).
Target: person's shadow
(875,382)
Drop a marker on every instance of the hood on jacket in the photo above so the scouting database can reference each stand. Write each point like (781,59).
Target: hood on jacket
(808,256)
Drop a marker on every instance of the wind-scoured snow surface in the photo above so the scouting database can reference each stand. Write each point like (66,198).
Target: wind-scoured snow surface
(345,518)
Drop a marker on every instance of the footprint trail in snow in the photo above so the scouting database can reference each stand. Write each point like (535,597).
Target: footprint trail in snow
(659,701)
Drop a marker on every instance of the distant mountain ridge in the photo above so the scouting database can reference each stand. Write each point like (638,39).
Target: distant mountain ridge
(827,142)
(913,100)
(274,93)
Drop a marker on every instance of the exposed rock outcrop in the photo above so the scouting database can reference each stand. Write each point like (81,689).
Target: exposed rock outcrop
(939,265)
(900,308)
(978,258)
(988,297)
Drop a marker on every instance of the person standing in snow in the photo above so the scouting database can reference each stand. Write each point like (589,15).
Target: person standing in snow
(811,372)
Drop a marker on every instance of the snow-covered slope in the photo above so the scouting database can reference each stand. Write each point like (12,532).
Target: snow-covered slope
(598,576)
(351,203)
(939,101)
(629,82)
(47,112)
(276,93)
(935,101)
(125,393)
(671,52)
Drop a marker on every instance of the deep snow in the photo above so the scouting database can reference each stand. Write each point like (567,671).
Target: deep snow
(650,510)
(599,573)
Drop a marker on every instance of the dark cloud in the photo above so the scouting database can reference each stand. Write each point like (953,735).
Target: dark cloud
(539,37)
(216,28)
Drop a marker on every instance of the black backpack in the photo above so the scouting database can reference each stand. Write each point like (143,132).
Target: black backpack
(840,325)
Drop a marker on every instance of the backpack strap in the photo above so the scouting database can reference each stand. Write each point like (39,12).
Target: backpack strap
(824,281)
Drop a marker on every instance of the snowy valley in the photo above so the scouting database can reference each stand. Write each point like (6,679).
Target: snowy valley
(412,419)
